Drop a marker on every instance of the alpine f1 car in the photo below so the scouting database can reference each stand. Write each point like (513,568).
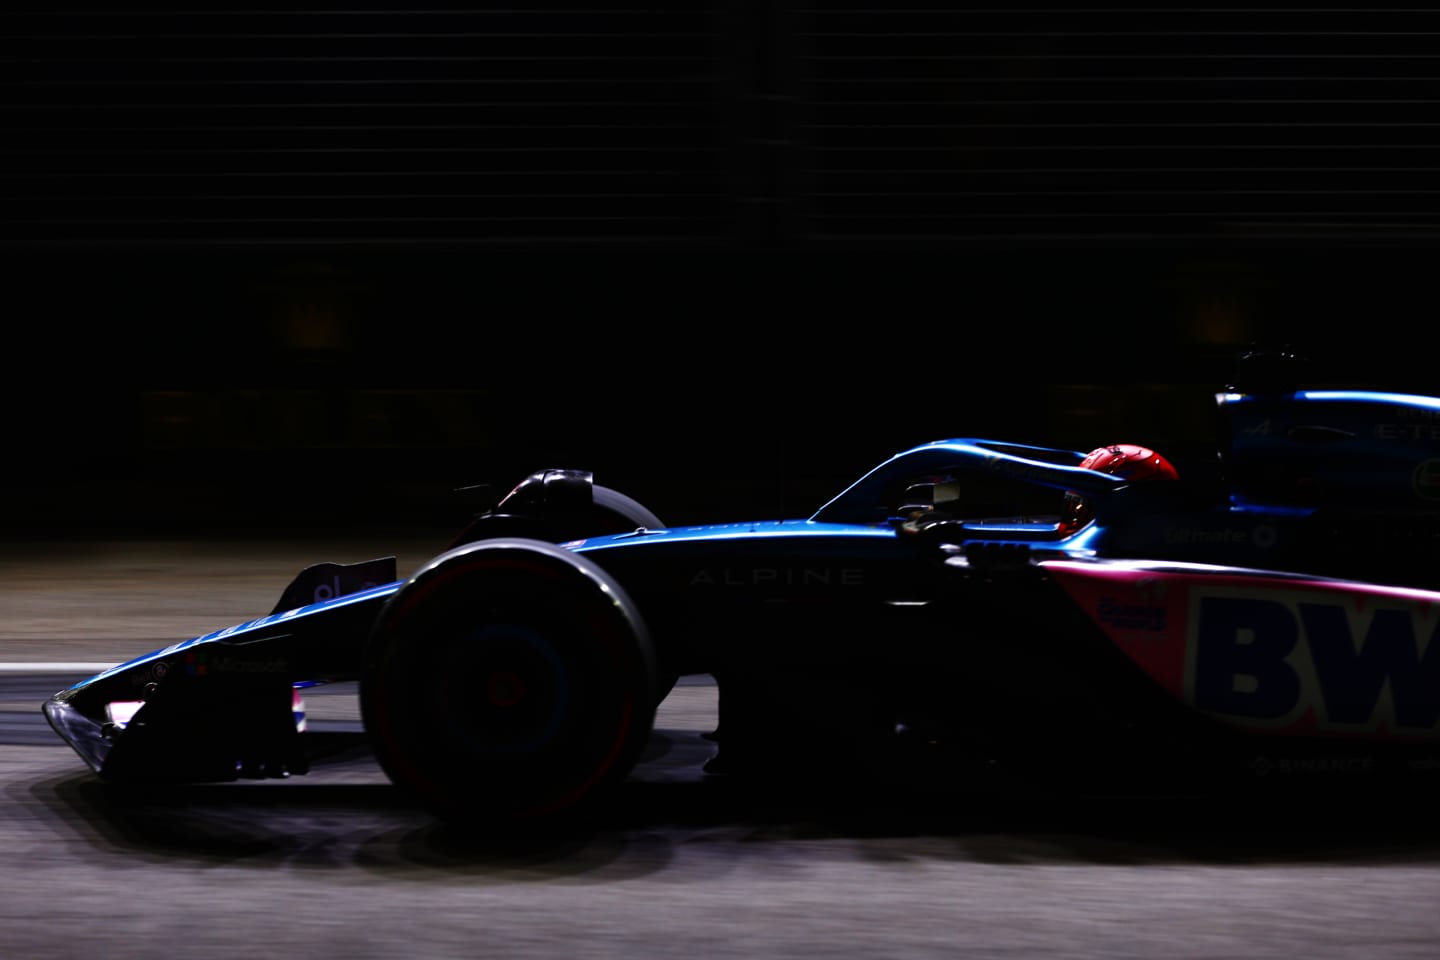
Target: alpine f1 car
(1074,619)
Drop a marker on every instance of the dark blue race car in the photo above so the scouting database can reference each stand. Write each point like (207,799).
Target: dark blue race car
(1068,619)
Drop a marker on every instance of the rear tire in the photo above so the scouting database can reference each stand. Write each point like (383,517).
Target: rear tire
(509,685)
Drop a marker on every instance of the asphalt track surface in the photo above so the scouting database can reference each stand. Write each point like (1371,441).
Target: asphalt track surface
(337,864)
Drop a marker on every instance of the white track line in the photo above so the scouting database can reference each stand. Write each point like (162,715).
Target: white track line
(56,667)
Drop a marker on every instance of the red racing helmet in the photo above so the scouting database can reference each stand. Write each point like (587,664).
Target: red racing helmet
(1128,460)
(1131,461)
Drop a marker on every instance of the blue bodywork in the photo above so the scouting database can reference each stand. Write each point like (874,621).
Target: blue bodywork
(926,561)
(1352,449)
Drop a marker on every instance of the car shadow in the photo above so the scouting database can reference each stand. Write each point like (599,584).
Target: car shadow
(350,811)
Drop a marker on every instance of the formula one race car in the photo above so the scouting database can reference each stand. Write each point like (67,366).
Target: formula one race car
(1075,620)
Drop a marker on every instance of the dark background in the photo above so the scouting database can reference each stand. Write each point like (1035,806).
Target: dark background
(272,267)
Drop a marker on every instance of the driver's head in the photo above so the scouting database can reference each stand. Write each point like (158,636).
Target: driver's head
(1131,461)
(1128,460)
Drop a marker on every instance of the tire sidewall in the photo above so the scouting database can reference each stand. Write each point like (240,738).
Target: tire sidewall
(508,682)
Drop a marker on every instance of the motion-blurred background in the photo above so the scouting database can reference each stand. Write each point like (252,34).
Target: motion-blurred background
(273,266)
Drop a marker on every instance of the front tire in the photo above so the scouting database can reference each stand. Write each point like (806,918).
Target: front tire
(509,685)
